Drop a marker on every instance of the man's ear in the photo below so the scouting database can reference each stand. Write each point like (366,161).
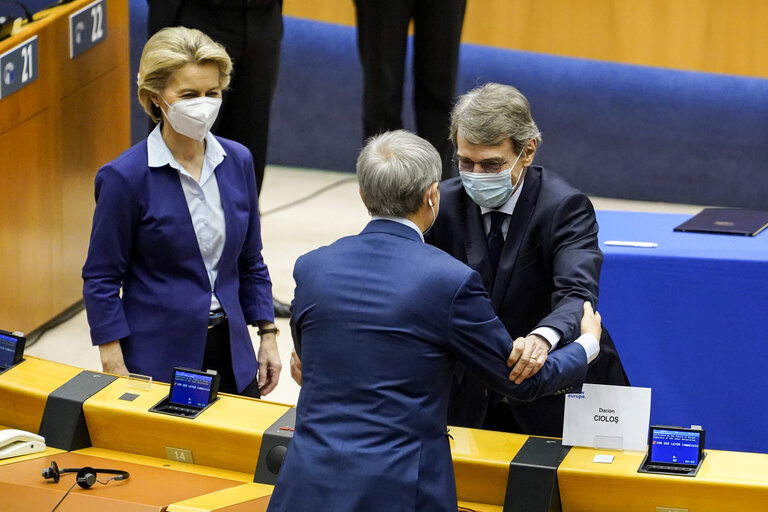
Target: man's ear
(433,194)
(528,152)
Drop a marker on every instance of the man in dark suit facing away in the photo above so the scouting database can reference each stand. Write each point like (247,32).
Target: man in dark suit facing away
(533,239)
(379,321)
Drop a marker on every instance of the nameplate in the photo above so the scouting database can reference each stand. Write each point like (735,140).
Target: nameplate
(18,67)
(87,28)
(608,417)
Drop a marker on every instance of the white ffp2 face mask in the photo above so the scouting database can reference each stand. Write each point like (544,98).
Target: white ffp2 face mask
(193,117)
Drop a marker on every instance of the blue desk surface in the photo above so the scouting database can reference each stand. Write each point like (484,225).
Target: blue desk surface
(690,321)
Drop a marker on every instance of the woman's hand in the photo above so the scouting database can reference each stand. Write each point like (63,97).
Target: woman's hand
(112,359)
(269,363)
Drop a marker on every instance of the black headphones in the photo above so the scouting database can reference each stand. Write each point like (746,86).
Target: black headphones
(86,476)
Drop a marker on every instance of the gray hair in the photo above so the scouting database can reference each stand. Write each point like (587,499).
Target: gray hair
(491,113)
(394,170)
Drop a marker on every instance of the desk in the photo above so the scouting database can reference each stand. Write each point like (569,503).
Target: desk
(726,482)
(148,489)
(228,437)
(55,133)
(689,320)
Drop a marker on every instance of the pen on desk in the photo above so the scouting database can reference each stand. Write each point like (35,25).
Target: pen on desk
(624,243)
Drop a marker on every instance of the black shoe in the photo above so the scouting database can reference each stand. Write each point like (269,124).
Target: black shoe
(282,309)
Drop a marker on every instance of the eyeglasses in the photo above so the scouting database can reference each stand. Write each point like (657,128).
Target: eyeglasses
(489,166)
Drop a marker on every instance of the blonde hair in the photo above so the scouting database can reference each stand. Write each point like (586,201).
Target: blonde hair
(169,50)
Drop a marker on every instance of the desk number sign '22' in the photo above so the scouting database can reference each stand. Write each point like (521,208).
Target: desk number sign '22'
(87,28)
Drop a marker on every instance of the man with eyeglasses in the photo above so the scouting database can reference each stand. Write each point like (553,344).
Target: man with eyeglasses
(533,239)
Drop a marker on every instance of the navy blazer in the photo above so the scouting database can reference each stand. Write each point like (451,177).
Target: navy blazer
(549,265)
(143,241)
(379,321)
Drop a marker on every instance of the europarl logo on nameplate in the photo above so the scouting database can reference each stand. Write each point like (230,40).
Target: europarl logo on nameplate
(87,28)
(608,417)
(18,67)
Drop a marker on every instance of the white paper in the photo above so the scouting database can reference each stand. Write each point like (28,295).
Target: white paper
(603,459)
(608,417)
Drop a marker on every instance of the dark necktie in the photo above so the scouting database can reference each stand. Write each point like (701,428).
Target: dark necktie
(495,239)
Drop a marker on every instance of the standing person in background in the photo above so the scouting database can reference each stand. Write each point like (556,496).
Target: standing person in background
(533,239)
(251,31)
(176,229)
(382,39)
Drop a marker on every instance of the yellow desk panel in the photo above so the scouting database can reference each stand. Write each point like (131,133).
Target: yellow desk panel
(223,498)
(226,435)
(727,481)
(479,507)
(481,463)
(24,391)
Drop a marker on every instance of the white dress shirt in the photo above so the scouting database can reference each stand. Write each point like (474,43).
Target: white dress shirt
(553,336)
(203,200)
(588,342)
(403,221)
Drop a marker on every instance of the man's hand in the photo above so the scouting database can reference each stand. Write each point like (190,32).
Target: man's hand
(296,367)
(269,363)
(112,359)
(527,357)
(591,321)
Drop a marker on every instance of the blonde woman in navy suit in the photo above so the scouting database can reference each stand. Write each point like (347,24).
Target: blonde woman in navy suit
(176,228)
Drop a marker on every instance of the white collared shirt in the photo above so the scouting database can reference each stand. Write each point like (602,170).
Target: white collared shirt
(548,333)
(508,208)
(203,199)
(403,221)
(588,342)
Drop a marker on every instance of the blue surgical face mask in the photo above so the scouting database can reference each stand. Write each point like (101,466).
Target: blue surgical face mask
(491,190)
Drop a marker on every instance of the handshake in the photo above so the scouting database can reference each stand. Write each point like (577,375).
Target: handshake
(530,353)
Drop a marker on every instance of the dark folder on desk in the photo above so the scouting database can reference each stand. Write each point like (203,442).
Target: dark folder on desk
(727,221)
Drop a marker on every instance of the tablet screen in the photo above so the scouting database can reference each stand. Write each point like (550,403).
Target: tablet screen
(190,388)
(675,446)
(11,350)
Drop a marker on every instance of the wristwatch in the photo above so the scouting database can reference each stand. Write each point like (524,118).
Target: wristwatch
(269,330)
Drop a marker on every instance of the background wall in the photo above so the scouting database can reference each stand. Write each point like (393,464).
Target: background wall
(613,130)
(648,99)
(696,35)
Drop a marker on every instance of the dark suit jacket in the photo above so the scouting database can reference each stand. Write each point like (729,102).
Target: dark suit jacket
(379,321)
(549,265)
(143,241)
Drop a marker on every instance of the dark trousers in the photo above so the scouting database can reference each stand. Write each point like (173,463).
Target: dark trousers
(382,37)
(251,36)
(218,356)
